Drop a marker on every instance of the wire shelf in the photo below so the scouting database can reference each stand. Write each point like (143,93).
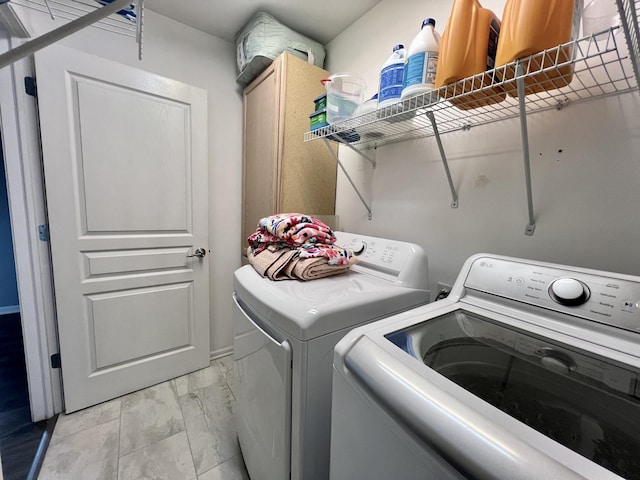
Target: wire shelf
(72,9)
(603,64)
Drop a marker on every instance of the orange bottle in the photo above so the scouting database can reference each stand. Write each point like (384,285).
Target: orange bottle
(531,26)
(468,48)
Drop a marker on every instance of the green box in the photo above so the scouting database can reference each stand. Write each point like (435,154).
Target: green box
(318,119)
(321,102)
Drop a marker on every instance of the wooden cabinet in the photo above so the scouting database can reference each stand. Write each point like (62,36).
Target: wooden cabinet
(282,173)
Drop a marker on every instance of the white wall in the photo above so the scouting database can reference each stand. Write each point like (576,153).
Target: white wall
(584,165)
(176,51)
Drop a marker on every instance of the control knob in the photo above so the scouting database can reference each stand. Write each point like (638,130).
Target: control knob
(569,291)
(358,247)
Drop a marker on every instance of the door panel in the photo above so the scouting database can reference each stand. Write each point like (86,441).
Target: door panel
(131,144)
(125,162)
(132,261)
(160,310)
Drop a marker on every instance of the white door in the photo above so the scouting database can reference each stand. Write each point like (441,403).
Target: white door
(125,163)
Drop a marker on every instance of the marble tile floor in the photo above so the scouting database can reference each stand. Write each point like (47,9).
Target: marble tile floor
(182,429)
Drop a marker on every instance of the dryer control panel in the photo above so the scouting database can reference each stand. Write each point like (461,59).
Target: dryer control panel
(604,297)
(402,263)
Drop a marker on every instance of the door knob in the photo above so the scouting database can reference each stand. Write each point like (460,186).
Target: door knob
(200,252)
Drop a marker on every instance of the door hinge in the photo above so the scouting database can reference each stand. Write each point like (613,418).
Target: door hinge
(55,360)
(30,87)
(43,233)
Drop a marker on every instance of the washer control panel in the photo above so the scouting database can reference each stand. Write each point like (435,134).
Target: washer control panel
(599,296)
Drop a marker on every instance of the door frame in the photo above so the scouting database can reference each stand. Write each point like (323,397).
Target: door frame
(25,189)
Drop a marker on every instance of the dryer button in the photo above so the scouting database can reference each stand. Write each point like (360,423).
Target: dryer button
(569,291)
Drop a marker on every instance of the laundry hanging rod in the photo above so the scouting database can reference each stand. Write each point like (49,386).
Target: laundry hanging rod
(61,32)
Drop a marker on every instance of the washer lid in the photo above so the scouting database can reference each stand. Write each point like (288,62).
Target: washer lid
(307,310)
(579,399)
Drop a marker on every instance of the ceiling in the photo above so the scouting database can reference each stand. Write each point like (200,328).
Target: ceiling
(321,20)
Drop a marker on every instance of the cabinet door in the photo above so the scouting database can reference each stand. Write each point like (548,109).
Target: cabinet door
(261,144)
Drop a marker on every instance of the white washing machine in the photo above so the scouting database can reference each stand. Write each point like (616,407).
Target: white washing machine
(526,371)
(284,334)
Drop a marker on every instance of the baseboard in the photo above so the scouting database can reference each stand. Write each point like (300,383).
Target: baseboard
(9,309)
(221,352)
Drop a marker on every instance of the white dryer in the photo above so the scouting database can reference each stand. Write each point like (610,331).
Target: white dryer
(284,334)
(527,371)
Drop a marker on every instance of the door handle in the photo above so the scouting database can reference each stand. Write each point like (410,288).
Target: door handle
(200,253)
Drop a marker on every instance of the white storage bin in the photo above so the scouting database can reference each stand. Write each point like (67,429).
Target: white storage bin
(263,39)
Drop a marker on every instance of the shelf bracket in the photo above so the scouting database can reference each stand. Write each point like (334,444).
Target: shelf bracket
(454,195)
(372,161)
(353,185)
(531,226)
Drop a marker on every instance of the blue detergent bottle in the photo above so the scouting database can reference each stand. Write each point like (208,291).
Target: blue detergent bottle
(422,61)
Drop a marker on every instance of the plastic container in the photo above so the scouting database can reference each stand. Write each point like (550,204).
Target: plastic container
(599,16)
(391,75)
(469,45)
(422,62)
(531,26)
(345,91)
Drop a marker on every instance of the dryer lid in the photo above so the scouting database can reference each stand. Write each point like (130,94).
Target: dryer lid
(307,310)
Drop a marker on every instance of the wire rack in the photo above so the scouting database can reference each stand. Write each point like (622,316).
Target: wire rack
(72,9)
(602,64)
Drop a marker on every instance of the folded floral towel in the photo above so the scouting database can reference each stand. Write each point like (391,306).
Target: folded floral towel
(297,229)
(296,246)
(311,237)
